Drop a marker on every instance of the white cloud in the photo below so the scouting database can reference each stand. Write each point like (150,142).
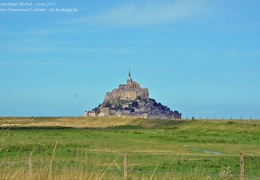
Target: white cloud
(74,50)
(35,48)
(135,15)
(50,63)
(244,53)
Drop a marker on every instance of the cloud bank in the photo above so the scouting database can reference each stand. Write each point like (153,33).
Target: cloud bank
(148,14)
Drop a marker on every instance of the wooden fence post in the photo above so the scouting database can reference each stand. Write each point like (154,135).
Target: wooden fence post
(242,170)
(30,165)
(125,165)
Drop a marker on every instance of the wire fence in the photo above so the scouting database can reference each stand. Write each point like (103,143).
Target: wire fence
(123,169)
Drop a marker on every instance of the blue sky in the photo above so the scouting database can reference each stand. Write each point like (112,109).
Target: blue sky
(199,57)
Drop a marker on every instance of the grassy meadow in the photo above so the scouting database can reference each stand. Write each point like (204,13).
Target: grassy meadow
(94,148)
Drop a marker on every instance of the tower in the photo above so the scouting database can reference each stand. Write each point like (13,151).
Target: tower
(129,79)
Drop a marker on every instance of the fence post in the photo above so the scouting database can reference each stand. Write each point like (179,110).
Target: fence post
(125,165)
(30,165)
(242,170)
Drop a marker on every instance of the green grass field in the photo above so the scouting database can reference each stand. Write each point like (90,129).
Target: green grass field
(93,148)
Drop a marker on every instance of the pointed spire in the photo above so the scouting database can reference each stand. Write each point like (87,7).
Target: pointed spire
(129,76)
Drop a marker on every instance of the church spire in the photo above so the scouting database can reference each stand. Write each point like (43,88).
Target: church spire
(129,76)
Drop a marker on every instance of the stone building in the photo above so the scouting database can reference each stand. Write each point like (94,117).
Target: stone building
(89,114)
(129,91)
(133,101)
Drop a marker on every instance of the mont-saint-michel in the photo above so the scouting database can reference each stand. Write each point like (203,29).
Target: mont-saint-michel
(130,100)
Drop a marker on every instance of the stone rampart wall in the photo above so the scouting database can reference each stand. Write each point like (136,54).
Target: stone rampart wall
(127,94)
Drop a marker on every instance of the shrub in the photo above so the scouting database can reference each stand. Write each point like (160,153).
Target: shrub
(135,104)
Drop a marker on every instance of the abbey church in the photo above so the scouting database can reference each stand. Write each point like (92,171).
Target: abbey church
(132,101)
(129,91)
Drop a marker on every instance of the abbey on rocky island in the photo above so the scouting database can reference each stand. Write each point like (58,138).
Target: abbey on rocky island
(133,101)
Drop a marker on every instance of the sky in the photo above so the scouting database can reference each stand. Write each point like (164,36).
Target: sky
(199,57)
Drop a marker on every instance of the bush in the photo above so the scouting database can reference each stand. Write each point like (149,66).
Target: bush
(135,104)
(107,104)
